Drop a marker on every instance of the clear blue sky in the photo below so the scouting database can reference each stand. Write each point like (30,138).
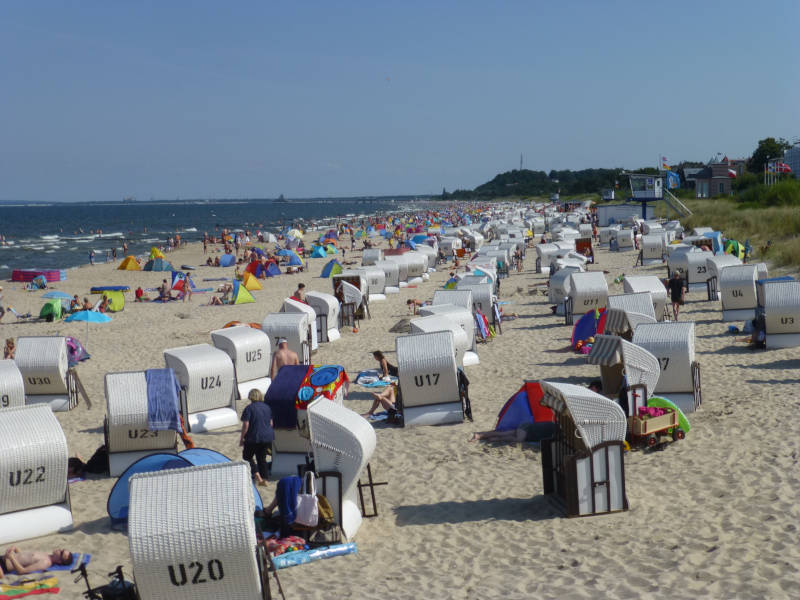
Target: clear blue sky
(105,99)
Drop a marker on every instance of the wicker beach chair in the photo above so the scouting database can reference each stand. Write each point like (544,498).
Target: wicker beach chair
(640,302)
(428,382)
(376,282)
(251,353)
(208,396)
(326,308)
(583,465)
(12,386)
(673,344)
(43,362)
(293,306)
(653,249)
(482,295)
(622,240)
(714,266)
(433,323)
(402,269)
(782,314)
(341,441)
(737,292)
(464,318)
(588,291)
(560,286)
(192,535)
(295,328)
(34,497)
(127,435)
(654,286)
(391,275)
(625,365)
(462,298)
(370,256)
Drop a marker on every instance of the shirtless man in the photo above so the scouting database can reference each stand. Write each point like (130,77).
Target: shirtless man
(282,356)
(300,292)
(29,561)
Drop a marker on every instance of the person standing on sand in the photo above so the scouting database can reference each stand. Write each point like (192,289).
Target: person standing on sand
(187,287)
(677,292)
(257,436)
(91,257)
(283,356)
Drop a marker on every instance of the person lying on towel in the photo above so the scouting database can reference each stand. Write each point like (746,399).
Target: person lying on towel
(526,432)
(28,561)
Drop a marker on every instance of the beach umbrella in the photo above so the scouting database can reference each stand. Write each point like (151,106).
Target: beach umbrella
(295,233)
(89,316)
(56,294)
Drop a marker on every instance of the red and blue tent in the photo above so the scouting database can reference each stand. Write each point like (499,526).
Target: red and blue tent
(524,407)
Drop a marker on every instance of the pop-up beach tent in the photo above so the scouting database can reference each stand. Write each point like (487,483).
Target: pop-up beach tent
(156,253)
(524,407)
(318,252)
(241,295)
(129,264)
(333,267)
(118,499)
(251,282)
(227,260)
(158,264)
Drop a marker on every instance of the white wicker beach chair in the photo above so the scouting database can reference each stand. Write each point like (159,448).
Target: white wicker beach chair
(402,268)
(620,322)
(714,265)
(295,328)
(623,239)
(462,298)
(637,284)
(673,345)
(293,306)
(473,280)
(12,387)
(583,465)
(433,323)
(462,316)
(428,379)
(251,353)
(341,441)
(560,286)
(417,266)
(623,362)
(34,498)
(376,282)
(391,273)
(653,249)
(544,252)
(639,302)
(430,253)
(448,244)
(588,291)
(208,397)
(192,535)
(482,295)
(737,291)
(326,307)
(128,437)
(370,256)
(604,234)
(43,362)
(782,314)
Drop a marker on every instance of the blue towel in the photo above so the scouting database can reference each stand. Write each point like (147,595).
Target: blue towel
(163,392)
(282,393)
(288,488)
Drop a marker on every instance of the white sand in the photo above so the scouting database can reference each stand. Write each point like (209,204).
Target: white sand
(713,516)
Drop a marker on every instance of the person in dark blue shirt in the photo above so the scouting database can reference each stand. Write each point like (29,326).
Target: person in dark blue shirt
(257,436)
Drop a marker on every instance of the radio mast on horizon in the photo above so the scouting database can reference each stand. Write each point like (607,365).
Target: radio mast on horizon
(520,161)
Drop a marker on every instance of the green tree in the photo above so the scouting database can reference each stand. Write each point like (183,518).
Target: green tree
(767,148)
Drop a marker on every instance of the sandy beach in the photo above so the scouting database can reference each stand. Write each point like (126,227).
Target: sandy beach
(713,516)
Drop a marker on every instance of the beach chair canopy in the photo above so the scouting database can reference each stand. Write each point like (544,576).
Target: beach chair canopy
(623,363)
(251,352)
(462,298)
(12,387)
(44,364)
(640,302)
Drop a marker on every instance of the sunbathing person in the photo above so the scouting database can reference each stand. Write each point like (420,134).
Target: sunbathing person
(75,303)
(10,349)
(526,432)
(387,368)
(216,301)
(29,561)
(386,399)
(87,305)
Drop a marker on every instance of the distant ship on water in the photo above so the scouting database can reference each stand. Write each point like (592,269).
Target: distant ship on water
(282,200)
(128,200)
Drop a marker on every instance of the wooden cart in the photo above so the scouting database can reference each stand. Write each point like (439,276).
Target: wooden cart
(652,431)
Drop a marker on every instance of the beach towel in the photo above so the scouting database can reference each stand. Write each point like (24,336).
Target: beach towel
(25,587)
(163,392)
(77,559)
(288,488)
(372,378)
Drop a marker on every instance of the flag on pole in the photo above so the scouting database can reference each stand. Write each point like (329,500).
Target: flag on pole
(664,163)
(784,168)
(732,173)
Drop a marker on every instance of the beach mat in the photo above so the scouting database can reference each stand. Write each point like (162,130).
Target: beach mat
(24,587)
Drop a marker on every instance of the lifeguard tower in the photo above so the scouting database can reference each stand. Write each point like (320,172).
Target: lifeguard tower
(646,189)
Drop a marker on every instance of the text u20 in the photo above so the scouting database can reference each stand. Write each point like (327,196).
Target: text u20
(26,476)
(209,383)
(427,379)
(213,569)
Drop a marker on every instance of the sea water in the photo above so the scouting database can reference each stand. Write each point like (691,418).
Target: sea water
(61,235)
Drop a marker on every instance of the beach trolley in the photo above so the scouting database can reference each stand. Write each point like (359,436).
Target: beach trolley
(433,323)
(653,249)
(625,365)
(43,362)
(654,286)
(206,377)
(714,265)
(370,256)
(430,391)
(251,353)
(583,465)
(12,386)
(673,345)
(187,543)
(737,291)
(290,305)
(295,328)
(782,314)
(34,496)
(588,291)
(128,435)
(342,442)
(326,307)
(391,274)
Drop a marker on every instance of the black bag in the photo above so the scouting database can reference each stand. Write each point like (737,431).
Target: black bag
(326,536)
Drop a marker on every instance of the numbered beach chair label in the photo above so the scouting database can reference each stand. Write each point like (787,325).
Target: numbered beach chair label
(39,380)
(252,355)
(141,434)
(196,572)
(5,401)
(429,379)
(209,383)
(26,476)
